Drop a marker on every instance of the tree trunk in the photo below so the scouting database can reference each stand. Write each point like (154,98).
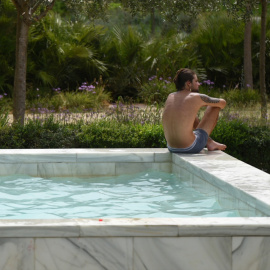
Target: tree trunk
(25,17)
(262,61)
(19,94)
(248,79)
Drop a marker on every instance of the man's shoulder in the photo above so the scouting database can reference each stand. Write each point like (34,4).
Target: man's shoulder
(194,95)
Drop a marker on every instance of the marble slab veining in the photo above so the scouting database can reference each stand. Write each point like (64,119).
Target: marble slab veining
(252,253)
(185,253)
(19,168)
(135,253)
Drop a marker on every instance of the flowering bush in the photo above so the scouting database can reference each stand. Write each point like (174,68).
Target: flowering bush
(86,96)
(208,87)
(157,90)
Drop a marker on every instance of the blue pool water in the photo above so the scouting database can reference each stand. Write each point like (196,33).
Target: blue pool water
(138,196)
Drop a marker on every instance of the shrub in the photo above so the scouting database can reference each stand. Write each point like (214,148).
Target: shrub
(111,134)
(218,41)
(208,87)
(37,134)
(130,113)
(250,144)
(233,133)
(241,97)
(156,90)
(87,96)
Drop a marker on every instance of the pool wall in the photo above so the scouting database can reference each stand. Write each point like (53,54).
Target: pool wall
(138,244)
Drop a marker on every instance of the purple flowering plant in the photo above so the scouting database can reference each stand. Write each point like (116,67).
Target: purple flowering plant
(87,96)
(156,89)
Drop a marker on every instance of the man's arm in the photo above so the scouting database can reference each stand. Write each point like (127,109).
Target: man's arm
(213,102)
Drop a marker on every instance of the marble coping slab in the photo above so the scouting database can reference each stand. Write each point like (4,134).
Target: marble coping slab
(131,227)
(231,175)
(84,155)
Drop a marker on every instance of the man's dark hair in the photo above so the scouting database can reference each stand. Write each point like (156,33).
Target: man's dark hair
(182,76)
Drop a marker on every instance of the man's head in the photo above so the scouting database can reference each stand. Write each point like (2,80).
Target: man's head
(186,78)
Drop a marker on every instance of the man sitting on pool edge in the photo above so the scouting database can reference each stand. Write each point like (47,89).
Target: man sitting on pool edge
(180,116)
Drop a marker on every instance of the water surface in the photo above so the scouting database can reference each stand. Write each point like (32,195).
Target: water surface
(141,195)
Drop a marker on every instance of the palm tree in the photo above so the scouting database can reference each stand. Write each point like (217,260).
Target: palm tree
(63,53)
(219,42)
(123,51)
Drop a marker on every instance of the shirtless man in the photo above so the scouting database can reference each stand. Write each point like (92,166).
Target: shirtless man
(180,116)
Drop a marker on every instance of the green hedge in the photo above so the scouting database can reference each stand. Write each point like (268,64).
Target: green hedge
(250,144)
(99,134)
(112,134)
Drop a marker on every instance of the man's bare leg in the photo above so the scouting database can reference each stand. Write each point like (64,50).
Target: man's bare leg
(208,123)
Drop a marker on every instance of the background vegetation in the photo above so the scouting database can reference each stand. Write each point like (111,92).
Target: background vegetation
(63,53)
(77,68)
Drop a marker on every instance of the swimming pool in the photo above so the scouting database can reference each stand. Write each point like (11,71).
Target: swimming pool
(142,195)
(140,243)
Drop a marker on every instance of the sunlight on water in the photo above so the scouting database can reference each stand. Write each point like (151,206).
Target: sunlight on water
(141,195)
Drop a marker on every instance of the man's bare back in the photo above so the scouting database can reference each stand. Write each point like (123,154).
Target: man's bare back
(180,114)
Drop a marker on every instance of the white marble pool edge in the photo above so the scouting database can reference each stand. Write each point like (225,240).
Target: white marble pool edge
(153,243)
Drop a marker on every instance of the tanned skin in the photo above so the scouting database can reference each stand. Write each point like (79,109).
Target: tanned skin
(179,117)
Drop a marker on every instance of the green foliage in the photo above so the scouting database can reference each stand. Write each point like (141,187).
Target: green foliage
(218,40)
(3,117)
(87,96)
(168,52)
(255,150)
(37,134)
(5,103)
(7,45)
(237,97)
(241,10)
(245,142)
(172,8)
(156,90)
(63,54)
(112,134)
(256,32)
(129,113)
(231,132)
(123,51)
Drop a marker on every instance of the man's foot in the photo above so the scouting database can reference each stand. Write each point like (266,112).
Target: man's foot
(212,145)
